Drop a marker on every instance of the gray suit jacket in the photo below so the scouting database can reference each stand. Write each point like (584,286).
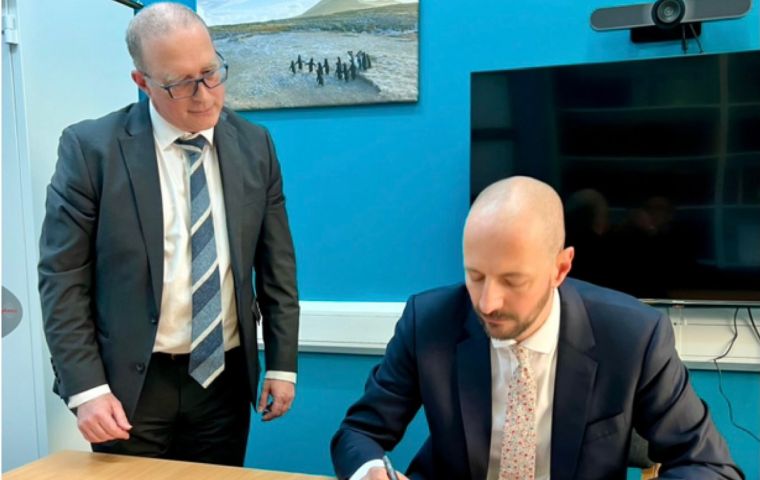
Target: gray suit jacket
(101,251)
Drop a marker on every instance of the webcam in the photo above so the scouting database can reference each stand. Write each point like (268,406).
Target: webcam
(660,21)
(666,14)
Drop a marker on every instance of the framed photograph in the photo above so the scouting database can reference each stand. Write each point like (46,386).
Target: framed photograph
(302,53)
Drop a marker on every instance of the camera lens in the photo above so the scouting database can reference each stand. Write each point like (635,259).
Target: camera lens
(668,13)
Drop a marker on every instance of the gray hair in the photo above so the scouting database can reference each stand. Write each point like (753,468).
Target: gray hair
(155,21)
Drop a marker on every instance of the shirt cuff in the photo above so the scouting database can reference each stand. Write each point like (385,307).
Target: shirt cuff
(87,395)
(280,375)
(359,474)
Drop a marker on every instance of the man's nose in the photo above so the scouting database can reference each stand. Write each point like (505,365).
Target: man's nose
(490,298)
(202,92)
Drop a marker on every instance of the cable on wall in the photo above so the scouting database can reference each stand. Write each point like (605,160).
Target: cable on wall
(752,323)
(720,376)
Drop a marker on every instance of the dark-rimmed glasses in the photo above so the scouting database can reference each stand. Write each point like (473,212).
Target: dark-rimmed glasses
(188,88)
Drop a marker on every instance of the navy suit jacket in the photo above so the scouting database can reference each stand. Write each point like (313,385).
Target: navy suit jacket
(102,252)
(617,369)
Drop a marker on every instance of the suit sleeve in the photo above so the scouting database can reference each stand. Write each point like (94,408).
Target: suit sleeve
(377,422)
(675,421)
(275,267)
(66,272)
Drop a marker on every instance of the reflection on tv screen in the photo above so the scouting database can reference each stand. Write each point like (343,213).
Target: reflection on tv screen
(657,161)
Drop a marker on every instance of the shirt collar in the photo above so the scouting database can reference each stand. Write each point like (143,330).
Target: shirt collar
(166,133)
(545,339)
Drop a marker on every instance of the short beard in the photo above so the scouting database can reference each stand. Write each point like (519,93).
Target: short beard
(521,326)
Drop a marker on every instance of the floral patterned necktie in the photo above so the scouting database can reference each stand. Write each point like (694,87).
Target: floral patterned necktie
(518,447)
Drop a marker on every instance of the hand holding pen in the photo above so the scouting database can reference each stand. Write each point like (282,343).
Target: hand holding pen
(389,468)
(385,473)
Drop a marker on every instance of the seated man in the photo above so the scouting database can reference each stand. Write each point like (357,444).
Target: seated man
(527,374)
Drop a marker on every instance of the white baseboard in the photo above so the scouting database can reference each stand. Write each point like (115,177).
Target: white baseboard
(703,334)
(348,327)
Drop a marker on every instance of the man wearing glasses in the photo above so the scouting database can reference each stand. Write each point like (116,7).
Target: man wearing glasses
(157,217)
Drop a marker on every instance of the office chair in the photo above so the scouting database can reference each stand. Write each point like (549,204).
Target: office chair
(638,457)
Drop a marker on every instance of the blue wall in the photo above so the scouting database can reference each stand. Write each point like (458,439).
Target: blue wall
(300,441)
(377,195)
(743,391)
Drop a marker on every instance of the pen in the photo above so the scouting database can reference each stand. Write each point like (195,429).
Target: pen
(389,468)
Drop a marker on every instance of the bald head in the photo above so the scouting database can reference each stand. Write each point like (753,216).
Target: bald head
(514,256)
(157,20)
(523,206)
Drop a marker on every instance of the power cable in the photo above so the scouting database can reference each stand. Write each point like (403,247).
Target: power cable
(720,377)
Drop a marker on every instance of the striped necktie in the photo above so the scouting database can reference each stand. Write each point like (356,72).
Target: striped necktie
(207,348)
(518,446)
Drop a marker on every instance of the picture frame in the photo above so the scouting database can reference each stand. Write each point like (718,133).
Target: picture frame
(307,53)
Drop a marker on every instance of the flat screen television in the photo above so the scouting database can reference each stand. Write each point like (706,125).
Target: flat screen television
(657,162)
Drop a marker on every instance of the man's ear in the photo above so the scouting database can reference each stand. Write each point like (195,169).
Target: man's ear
(564,264)
(141,82)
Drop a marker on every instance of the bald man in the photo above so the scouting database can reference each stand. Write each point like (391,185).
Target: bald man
(527,374)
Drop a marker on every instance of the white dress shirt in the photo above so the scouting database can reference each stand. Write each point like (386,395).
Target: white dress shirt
(174,333)
(542,348)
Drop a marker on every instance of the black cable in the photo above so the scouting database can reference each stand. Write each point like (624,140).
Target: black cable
(696,37)
(732,341)
(752,321)
(720,381)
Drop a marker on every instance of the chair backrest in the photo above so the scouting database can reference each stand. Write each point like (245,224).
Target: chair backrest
(638,454)
(638,457)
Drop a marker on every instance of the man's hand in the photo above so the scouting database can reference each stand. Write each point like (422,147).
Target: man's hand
(281,392)
(379,473)
(102,419)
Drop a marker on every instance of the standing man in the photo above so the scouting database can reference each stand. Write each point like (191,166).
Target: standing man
(157,217)
(526,374)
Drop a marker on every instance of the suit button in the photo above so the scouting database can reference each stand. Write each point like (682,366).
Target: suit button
(154,320)
(140,367)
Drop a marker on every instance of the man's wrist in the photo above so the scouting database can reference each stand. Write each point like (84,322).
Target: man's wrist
(281,375)
(91,394)
(364,469)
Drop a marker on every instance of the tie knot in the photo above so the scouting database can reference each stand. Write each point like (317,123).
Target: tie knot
(521,353)
(197,142)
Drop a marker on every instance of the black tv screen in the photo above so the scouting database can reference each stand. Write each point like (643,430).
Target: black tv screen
(657,162)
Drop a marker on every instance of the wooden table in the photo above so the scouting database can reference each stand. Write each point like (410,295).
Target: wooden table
(69,465)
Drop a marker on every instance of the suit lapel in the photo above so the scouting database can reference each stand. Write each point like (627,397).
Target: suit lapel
(139,155)
(576,372)
(474,377)
(231,166)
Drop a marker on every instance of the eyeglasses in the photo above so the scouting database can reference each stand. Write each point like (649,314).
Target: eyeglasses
(188,88)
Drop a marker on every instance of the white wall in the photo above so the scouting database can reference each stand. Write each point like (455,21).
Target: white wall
(73,65)
(24,429)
